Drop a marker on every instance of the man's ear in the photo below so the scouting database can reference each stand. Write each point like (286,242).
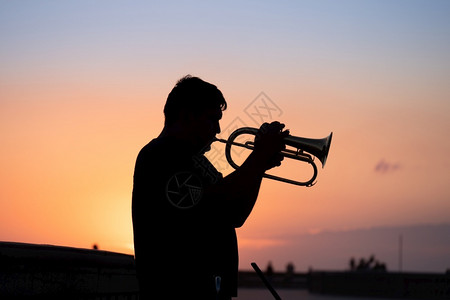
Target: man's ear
(182,116)
(188,116)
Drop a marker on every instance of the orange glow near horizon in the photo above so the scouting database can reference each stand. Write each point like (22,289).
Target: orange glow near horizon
(68,172)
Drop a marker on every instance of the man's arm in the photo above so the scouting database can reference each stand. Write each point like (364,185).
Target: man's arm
(241,187)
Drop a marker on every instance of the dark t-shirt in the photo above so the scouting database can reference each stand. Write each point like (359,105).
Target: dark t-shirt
(183,236)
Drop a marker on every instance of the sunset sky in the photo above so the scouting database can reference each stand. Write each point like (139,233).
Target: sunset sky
(83,85)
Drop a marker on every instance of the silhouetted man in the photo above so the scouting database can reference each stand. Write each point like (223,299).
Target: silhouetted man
(184,212)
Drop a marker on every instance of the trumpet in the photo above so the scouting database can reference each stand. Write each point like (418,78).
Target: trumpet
(307,149)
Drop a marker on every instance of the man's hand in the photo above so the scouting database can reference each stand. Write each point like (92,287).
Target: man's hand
(269,142)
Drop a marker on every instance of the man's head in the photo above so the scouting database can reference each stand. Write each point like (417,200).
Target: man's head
(192,95)
(196,105)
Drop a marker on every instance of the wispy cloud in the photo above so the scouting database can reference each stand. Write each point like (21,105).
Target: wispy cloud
(260,243)
(384,166)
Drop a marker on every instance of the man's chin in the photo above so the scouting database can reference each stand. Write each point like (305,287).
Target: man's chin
(206,149)
(207,146)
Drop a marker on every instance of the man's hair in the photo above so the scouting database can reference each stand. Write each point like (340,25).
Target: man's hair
(191,94)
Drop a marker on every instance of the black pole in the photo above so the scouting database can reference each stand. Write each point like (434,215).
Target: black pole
(266,282)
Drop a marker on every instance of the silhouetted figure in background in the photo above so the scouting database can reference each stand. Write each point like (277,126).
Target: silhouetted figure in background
(352,264)
(269,270)
(290,272)
(184,212)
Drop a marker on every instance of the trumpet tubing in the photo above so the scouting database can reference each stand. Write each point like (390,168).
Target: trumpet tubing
(307,149)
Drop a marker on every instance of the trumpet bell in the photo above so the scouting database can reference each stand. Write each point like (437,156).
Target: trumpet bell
(317,147)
